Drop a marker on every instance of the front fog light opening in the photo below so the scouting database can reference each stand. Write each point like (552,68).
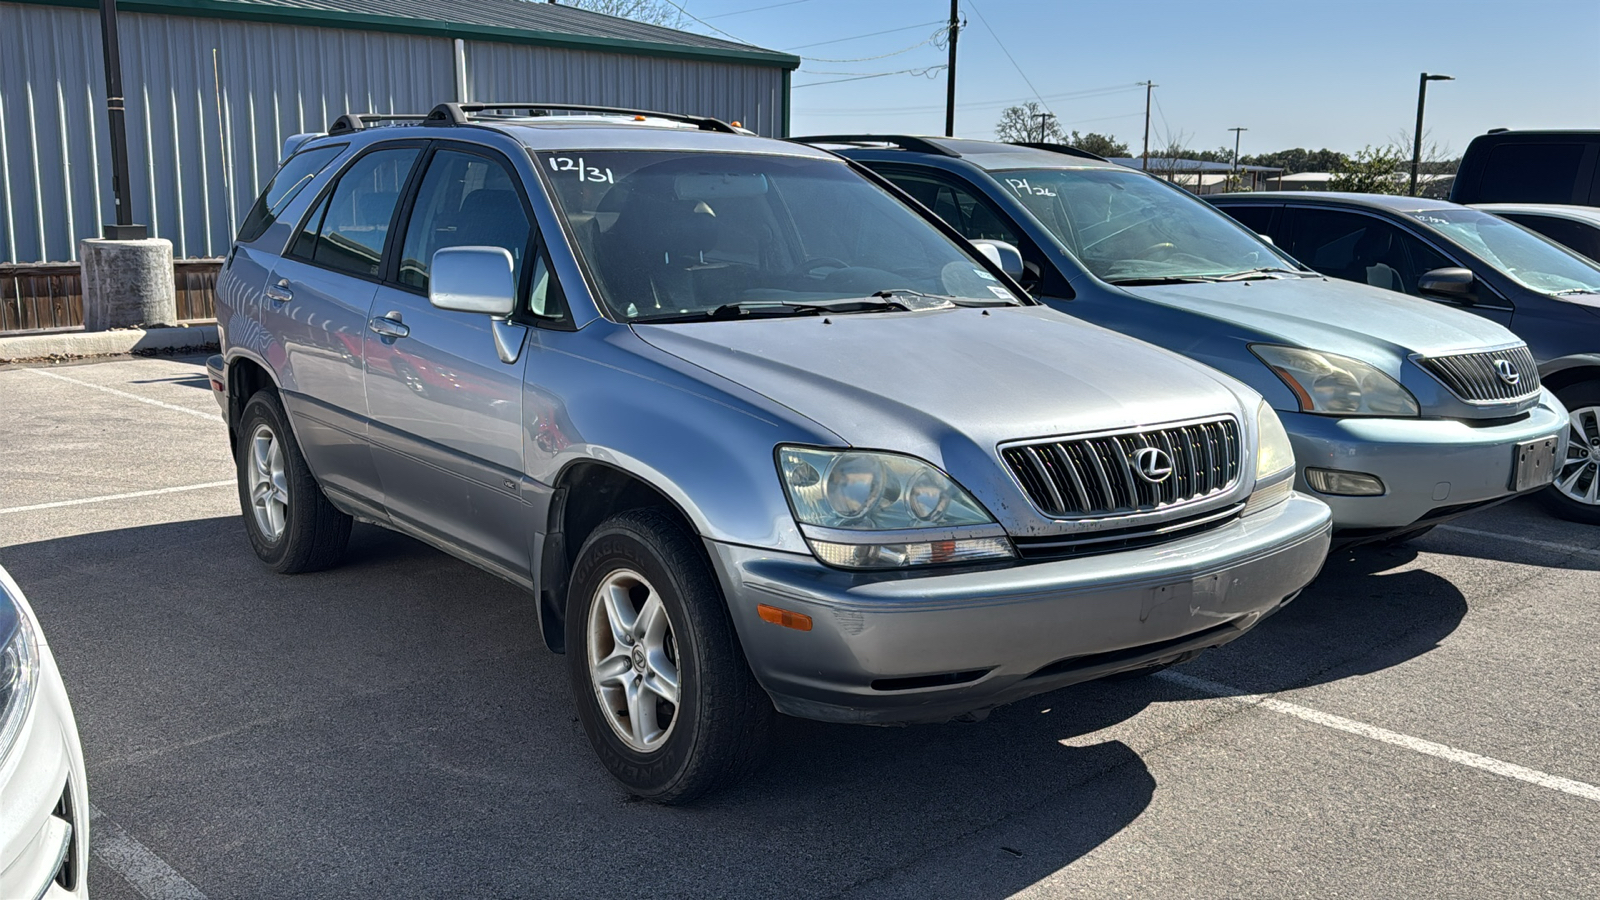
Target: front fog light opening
(1344,484)
(912,553)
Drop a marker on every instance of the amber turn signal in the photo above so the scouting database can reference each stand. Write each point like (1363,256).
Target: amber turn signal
(797,621)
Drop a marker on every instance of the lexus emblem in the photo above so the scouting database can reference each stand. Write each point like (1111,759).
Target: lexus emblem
(1152,464)
(1507,370)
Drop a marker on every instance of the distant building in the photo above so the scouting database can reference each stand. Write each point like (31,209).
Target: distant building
(215,87)
(1205,177)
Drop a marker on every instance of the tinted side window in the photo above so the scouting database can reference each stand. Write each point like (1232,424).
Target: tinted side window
(1255,218)
(465,200)
(1530,173)
(355,216)
(957,206)
(1577,236)
(1351,246)
(284,186)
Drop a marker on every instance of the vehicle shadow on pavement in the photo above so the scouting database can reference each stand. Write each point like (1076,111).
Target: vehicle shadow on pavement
(1367,611)
(396,721)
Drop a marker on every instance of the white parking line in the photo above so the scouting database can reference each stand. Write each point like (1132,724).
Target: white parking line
(208,416)
(1406,741)
(148,873)
(128,496)
(1532,542)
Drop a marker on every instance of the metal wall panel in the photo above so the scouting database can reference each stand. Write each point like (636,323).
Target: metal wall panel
(751,95)
(210,102)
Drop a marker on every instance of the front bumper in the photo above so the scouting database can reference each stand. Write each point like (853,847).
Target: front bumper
(893,648)
(1430,468)
(44,803)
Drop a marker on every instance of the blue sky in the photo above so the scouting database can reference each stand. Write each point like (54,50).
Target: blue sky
(1337,73)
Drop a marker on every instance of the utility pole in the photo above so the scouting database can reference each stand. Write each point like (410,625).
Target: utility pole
(1236,133)
(1416,145)
(123,229)
(1041,117)
(1149,87)
(950,72)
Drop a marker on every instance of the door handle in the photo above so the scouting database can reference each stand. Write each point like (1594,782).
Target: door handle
(280,293)
(388,327)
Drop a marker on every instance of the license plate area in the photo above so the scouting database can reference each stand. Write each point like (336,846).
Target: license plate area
(1535,464)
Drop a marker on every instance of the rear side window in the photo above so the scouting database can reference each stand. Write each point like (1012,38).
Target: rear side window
(347,231)
(1531,173)
(1255,218)
(284,187)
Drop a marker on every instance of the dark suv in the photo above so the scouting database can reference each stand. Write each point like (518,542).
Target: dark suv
(1530,167)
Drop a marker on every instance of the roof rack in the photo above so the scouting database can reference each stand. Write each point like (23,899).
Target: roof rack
(903,141)
(1060,148)
(462,113)
(357,121)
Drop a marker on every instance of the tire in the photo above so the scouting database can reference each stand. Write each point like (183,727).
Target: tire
(294,528)
(1576,492)
(665,617)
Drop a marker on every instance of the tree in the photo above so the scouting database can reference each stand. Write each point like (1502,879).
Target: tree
(1098,144)
(650,12)
(1022,124)
(1372,171)
(1299,160)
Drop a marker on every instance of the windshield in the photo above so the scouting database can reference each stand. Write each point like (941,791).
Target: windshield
(1527,258)
(673,236)
(1125,226)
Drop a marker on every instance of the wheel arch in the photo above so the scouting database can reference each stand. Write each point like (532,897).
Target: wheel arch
(1558,374)
(246,376)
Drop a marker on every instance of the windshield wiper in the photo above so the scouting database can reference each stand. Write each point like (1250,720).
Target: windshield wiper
(1137,280)
(1261,272)
(895,293)
(1569,291)
(749,308)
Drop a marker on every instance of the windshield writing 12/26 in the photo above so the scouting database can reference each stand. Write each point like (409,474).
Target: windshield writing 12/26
(1126,226)
(689,236)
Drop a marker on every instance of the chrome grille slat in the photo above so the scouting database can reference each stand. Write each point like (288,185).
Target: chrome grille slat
(1472,376)
(1096,475)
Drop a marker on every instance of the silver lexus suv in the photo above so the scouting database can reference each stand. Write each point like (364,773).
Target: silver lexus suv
(758,436)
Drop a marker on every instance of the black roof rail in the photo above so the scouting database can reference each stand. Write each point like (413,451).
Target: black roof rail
(462,113)
(1060,148)
(357,121)
(903,141)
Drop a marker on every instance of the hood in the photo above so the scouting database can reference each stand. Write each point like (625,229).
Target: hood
(1335,316)
(949,385)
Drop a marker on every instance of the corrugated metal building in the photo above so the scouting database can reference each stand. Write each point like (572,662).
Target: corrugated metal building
(214,87)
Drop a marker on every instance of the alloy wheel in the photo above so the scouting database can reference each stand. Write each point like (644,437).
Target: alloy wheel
(1579,477)
(633,660)
(269,485)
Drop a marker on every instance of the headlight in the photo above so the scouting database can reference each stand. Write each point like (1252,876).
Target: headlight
(1336,385)
(1274,462)
(862,509)
(19,670)
(1273,452)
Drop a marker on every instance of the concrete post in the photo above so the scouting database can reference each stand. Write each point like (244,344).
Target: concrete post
(127,283)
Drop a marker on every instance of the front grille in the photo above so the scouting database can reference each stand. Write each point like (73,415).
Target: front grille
(1086,476)
(1476,377)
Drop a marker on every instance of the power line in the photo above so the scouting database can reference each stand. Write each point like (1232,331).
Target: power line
(1087,94)
(675,5)
(925,73)
(974,6)
(858,37)
(930,39)
(740,12)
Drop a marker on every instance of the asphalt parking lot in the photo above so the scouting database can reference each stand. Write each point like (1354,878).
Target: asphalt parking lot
(394,728)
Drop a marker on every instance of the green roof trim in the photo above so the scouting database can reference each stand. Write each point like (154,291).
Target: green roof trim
(354,16)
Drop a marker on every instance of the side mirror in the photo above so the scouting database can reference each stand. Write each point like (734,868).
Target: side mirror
(1449,284)
(1006,256)
(472,280)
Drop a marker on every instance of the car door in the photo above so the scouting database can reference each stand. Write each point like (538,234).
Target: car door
(446,410)
(320,291)
(1369,249)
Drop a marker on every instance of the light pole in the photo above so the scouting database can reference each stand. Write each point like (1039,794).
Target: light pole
(121,190)
(1237,132)
(1416,145)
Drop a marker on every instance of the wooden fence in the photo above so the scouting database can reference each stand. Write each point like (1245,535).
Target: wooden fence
(49,296)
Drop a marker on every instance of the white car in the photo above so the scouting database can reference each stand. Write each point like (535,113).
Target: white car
(1575,227)
(44,799)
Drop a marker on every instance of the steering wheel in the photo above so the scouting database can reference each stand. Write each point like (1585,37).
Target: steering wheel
(817,262)
(1165,248)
